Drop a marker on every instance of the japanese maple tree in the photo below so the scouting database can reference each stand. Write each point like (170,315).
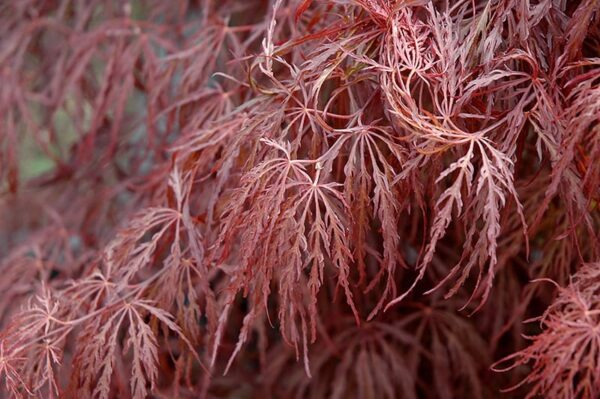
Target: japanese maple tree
(299,198)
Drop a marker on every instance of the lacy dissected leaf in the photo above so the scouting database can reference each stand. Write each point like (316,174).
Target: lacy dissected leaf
(564,357)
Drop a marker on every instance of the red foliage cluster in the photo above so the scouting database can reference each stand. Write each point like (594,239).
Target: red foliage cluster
(299,198)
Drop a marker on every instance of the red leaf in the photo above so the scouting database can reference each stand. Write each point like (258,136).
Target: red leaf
(302,9)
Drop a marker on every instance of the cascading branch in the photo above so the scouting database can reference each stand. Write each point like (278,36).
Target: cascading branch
(300,198)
